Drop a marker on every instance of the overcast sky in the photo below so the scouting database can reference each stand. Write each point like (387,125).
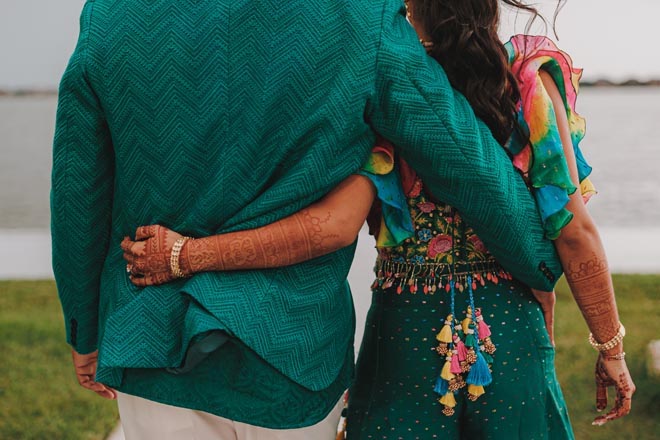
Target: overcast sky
(608,38)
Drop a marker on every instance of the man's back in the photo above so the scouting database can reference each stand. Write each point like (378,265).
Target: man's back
(213,112)
(210,116)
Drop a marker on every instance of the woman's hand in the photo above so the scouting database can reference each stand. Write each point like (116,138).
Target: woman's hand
(547,301)
(613,372)
(148,257)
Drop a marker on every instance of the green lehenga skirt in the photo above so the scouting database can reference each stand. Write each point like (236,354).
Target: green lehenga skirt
(393,396)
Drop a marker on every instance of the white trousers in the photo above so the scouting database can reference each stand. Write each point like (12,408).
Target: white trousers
(144,419)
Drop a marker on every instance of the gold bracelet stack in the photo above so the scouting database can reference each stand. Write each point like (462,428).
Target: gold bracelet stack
(616,340)
(174,257)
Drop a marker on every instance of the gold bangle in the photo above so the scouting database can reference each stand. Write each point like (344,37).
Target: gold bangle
(174,257)
(616,340)
(614,357)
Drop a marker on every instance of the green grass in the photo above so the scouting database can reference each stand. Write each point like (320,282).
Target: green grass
(40,398)
(639,307)
(39,395)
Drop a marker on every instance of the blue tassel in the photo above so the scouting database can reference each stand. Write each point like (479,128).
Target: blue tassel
(441,386)
(479,373)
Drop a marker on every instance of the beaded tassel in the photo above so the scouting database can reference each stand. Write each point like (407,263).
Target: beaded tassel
(449,401)
(474,391)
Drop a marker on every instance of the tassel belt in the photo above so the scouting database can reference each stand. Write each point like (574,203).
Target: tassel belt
(464,345)
(433,276)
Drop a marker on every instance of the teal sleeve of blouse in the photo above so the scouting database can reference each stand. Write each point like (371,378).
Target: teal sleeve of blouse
(82,182)
(436,131)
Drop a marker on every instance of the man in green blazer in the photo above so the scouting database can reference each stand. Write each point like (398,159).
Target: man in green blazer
(209,116)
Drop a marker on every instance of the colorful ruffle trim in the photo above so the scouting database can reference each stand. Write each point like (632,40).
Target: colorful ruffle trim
(395,223)
(542,160)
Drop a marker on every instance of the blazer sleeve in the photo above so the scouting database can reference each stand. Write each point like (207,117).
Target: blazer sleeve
(437,133)
(81,197)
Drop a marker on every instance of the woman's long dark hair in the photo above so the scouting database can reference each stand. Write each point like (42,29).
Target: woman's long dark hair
(466,44)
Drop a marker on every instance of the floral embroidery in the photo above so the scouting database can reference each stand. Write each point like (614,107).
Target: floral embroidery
(439,245)
(478,244)
(416,189)
(426,207)
(424,235)
(441,236)
(417,259)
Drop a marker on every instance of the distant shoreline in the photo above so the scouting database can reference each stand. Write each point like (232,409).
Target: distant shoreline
(590,83)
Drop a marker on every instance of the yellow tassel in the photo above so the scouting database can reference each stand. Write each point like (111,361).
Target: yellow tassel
(448,400)
(446,370)
(474,391)
(468,320)
(445,333)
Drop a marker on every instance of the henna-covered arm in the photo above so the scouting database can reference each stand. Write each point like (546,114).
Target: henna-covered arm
(580,248)
(583,257)
(325,226)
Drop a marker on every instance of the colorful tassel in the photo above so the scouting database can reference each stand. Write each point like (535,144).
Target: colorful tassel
(449,401)
(467,321)
(474,391)
(487,357)
(461,350)
(470,339)
(445,333)
(482,328)
(455,363)
(441,386)
(446,370)
(442,349)
(479,372)
(456,383)
(489,347)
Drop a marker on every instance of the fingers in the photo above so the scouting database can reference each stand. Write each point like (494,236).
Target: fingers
(602,382)
(133,248)
(155,279)
(85,369)
(140,281)
(601,396)
(98,388)
(625,388)
(144,232)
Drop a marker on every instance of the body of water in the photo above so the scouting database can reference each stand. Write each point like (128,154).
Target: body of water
(621,144)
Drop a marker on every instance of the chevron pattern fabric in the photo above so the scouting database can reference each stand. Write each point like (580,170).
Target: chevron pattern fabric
(209,116)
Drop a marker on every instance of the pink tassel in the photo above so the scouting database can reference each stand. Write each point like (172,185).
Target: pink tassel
(461,350)
(482,328)
(455,364)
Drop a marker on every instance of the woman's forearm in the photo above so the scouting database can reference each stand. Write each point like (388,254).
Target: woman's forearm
(587,272)
(297,238)
(324,227)
(579,246)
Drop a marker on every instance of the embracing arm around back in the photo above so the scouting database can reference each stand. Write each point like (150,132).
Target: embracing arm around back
(325,226)
(582,255)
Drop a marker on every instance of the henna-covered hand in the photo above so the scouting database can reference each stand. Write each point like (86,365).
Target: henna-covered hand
(326,226)
(148,257)
(613,373)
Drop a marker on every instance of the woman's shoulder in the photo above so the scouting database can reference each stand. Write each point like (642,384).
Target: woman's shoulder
(530,54)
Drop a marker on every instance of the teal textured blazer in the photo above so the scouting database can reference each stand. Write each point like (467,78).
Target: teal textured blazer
(209,116)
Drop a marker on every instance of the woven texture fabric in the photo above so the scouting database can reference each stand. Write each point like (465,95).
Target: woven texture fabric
(209,116)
